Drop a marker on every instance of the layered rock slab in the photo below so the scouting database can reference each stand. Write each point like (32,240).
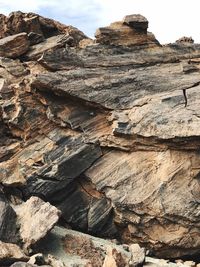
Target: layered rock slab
(14,46)
(148,189)
(35,218)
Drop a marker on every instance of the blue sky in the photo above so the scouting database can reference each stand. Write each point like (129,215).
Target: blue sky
(168,19)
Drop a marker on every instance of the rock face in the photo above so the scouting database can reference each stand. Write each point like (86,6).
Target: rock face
(107,131)
(14,46)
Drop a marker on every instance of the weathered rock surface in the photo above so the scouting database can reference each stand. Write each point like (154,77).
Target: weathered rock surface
(77,248)
(14,46)
(131,31)
(10,253)
(18,22)
(24,264)
(107,131)
(35,218)
(8,226)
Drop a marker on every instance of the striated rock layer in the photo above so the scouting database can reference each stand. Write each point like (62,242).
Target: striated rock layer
(106,130)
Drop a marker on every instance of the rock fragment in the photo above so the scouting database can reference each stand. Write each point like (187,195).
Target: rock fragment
(10,253)
(137,22)
(36,218)
(8,226)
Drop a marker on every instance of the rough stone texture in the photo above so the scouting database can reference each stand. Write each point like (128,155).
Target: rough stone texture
(156,181)
(14,46)
(73,247)
(24,264)
(18,22)
(138,255)
(36,51)
(8,227)
(119,33)
(137,22)
(10,173)
(185,40)
(35,218)
(106,131)
(10,253)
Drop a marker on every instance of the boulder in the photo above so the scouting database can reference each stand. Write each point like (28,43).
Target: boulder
(14,46)
(36,218)
(10,173)
(137,22)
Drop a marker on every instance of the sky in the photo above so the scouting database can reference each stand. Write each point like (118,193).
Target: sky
(168,19)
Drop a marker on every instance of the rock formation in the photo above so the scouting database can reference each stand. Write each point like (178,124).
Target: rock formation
(99,136)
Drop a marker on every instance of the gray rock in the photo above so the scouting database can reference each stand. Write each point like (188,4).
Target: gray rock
(73,247)
(10,253)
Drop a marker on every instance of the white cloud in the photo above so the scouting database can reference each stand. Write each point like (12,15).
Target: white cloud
(168,19)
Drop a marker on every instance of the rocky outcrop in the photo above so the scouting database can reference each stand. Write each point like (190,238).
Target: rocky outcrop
(131,31)
(32,23)
(107,132)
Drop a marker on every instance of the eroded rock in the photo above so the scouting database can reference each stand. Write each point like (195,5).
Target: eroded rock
(10,253)
(108,132)
(14,46)
(131,31)
(35,218)
(8,225)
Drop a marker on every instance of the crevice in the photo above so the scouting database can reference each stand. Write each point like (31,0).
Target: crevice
(185,97)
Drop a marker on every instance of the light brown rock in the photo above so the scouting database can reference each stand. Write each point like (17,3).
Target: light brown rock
(10,253)
(36,218)
(137,22)
(10,174)
(109,260)
(119,33)
(138,255)
(14,46)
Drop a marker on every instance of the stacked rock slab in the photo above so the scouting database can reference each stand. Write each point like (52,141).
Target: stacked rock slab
(131,31)
(106,131)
